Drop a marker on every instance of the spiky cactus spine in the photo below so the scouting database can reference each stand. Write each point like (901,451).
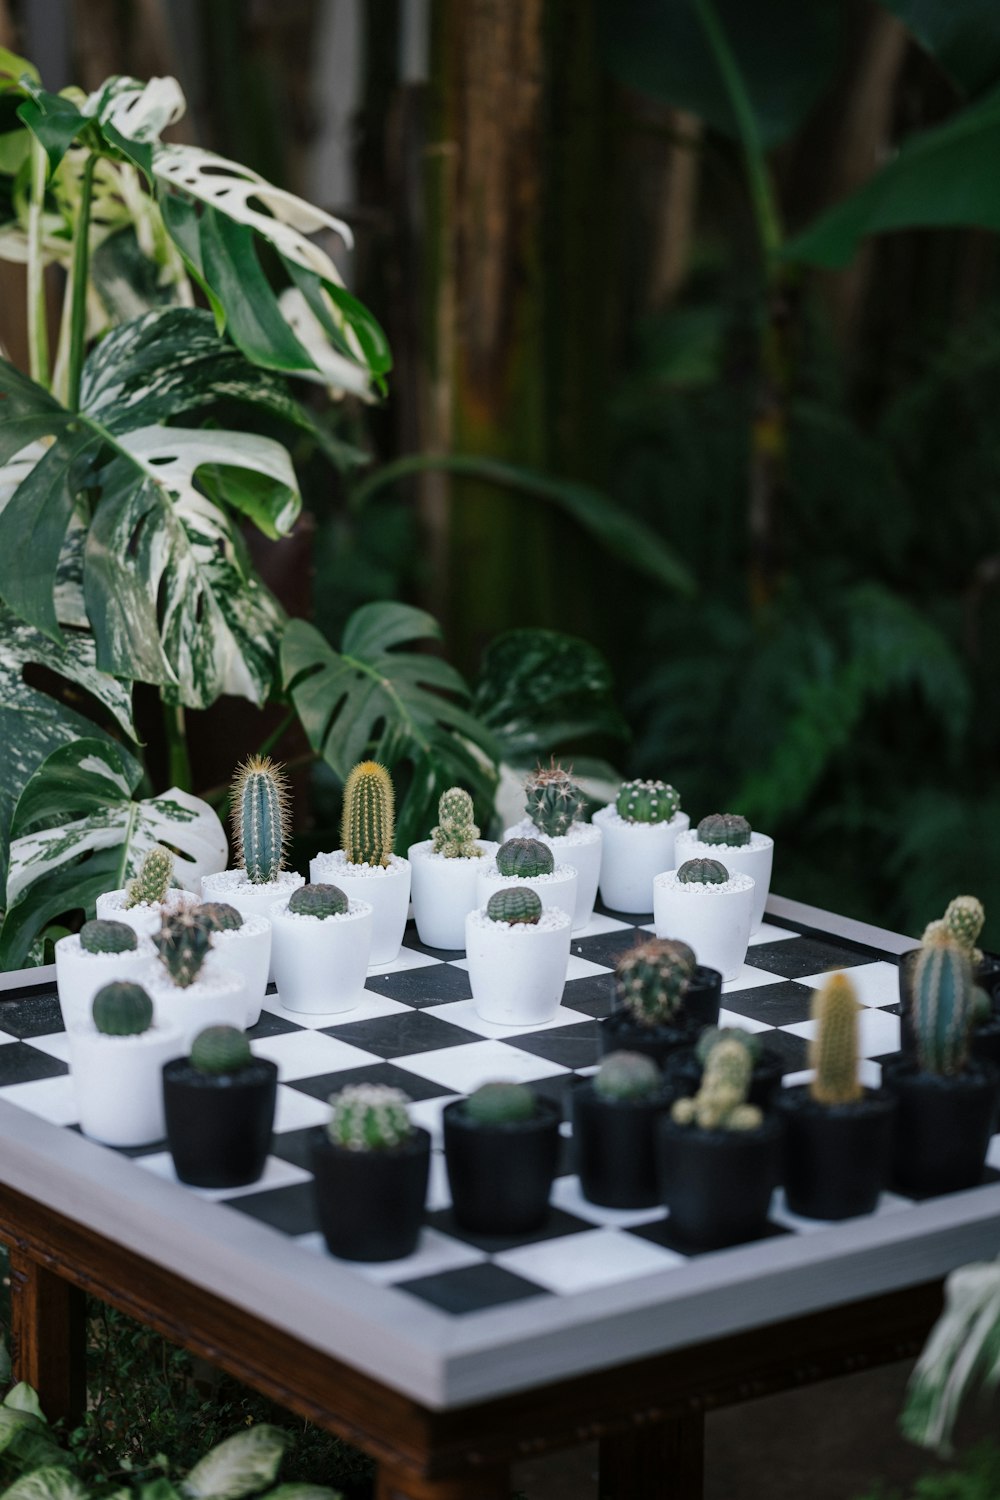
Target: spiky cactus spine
(260,809)
(526,858)
(725,828)
(456,833)
(151,884)
(516,905)
(318,901)
(942,1003)
(367,826)
(652,979)
(553,801)
(647,802)
(702,872)
(834,1050)
(108,937)
(122,1010)
(500,1104)
(183,943)
(720,1103)
(220,1049)
(627,1076)
(964,919)
(220,916)
(369,1117)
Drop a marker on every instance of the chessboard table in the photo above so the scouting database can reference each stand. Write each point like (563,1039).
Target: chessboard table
(473,1352)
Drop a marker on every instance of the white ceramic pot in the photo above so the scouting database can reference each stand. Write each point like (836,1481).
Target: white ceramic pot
(146,918)
(250,900)
(444,892)
(517,971)
(246,950)
(581,848)
(321,963)
(555,890)
(632,854)
(218,997)
(713,919)
(755,859)
(79,975)
(386,888)
(118,1082)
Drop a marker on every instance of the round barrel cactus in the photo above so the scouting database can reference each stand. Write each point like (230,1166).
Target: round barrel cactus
(500,1104)
(647,802)
(702,872)
(260,809)
(515,905)
(122,1009)
(526,858)
(725,828)
(108,937)
(553,801)
(219,916)
(652,979)
(318,901)
(628,1076)
(367,825)
(220,1049)
(369,1117)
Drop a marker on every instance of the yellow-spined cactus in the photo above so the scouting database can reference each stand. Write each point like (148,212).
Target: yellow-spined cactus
(367,825)
(834,1050)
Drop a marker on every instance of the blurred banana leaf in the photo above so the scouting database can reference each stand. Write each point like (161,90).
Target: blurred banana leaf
(963,35)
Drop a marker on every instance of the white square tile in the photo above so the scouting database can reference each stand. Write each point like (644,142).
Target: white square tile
(435,1253)
(406,958)
(878,1032)
(6,1039)
(276,1174)
(598,926)
(888,1203)
(370,1008)
(464,1068)
(750,978)
(294,1110)
(584,968)
(993,1153)
(745,1023)
(306,1054)
(463,1013)
(592,1258)
(567,1195)
(56,1045)
(876,983)
(427,1114)
(767,933)
(438,1190)
(869,1073)
(54,1099)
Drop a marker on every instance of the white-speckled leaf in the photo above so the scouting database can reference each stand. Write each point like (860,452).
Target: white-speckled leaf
(48,1483)
(138,111)
(240,1466)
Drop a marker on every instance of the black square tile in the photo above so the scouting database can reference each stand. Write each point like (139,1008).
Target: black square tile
(781,1004)
(402,1034)
(636,918)
(572,1046)
(272,1025)
(290,1209)
(661,1233)
(990,1176)
(325,1084)
(595,996)
(557,1224)
(559,1088)
(411,940)
(21,1063)
(794,1050)
(471,1289)
(35,1015)
(294,1146)
(607,947)
(793,957)
(435,984)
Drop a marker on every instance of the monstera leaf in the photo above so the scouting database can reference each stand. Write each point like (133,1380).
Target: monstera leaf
(77,832)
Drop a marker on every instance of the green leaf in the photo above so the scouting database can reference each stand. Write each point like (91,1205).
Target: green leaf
(941,178)
(13,69)
(961,1355)
(963,35)
(48,1483)
(54,121)
(22,1397)
(240,1466)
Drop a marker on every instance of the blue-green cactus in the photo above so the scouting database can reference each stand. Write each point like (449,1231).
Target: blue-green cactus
(942,1003)
(725,828)
(122,1009)
(628,1076)
(553,801)
(525,858)
(260,807)
(516,905)
(500,1104)
(108,937)
(318,901)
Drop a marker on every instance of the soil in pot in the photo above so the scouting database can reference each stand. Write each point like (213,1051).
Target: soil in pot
(684,1069)
(614,1141)
(943,1127)
(718,1184)
(836,1157)
(501,1175)
(619,1032)
(219,1128)
(370,1204)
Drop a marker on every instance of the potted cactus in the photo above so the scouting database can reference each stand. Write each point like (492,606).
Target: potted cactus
(444,870)
(370,1169)
(364,867)
(219,1110)
(116,1059)
(729,837)
(662,999)
(528,862)
(684,1068)
(638,834)
(187,992)
(101,952)
(838,1135)
(554,804)
(320,947)
(614,1130)
(947,1099)
(709,907)
(241,944)
(518,954)
(963,921)
(719,1156)
(501,1147)
(142,903)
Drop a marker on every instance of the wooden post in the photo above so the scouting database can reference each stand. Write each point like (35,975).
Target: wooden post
(397,1484)
(48,1337)
(665,1461)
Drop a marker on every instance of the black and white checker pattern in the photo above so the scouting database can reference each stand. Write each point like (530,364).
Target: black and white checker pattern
(417,1029)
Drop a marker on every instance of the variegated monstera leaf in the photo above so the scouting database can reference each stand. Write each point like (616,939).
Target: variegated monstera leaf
(78,831)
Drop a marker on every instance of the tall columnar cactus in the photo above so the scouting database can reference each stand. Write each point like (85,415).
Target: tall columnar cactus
(702,872)
(456,833)
(260,813)
(122,1010)
(183,943)
(553,801)
(652,979)
(369,1117)
(526,858)
(500,1104)
(152,882)
(964,919)
(628,1076)
(318,901)
(220,916)
(368,823)
(517,905)
(220,1049)
(943,1002)
(834,1050)
(725,828)
(647,802)
(108,937)
(720,1103)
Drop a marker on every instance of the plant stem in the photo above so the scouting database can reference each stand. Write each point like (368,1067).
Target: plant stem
(178,759)
(38,335)
(277,735)
(79,277)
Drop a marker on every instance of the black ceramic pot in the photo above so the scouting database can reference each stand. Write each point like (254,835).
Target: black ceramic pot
(717,1184)
(836,1157)
(702,998)
(619,1033)
(988,976)
(219,1127)
(370,1203)
(683,1073)
(501,1175)
(943,1127)
(615,1145)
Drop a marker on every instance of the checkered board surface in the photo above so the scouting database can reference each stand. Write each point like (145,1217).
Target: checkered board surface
(417,1029)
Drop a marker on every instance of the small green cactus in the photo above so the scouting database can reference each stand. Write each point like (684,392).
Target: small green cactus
(318,901)
(553,800)
(220,916)
(151,884)
(725,828)
(702,872)
(456,833)
(260,806)
(220,1049)
(108,937)
(628,1076)
(183,943)
(367,825)
(942,1002)
(369,1117)
(122,1010)
(834,1051)
(713,1034)
(652,979)
(500,1104)
(964,919)
(720,1103)
(647,802)
(526,858)
(516,905)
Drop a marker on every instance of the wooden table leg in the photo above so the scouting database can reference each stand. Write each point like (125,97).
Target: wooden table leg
(48,1337)
(664,1461)
(397,1484)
